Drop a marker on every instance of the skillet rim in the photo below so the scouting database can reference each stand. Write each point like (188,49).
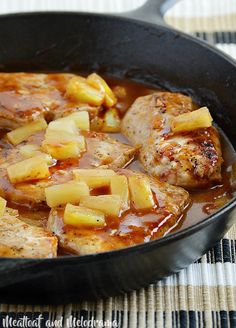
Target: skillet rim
(162,240)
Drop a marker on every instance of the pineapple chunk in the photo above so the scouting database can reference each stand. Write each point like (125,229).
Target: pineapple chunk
(111,121)
(48,158)
(119,186)
(29,169)
(97,82)
(3,204)
(94,178)
(32,150)
(63,145)
(65,150)
(72,122)
(64,193)
(141,193)
(62,125)
(22,133)
(108,204)
(56,137)
(93,172)
(200,118)
(83,92)
(83,217)
(95,182)
(29,150)
(80,118)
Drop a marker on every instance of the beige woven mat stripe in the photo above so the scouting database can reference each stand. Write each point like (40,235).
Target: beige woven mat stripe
(160,305)
(203,15)
(202,24)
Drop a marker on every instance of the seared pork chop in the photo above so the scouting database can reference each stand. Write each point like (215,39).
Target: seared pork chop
(27,96)
(130,229)
(102,151)
(190,159)
(19,239)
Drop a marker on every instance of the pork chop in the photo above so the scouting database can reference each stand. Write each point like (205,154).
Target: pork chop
(19,239)
(27,96)
(101,151)
(190,159)
(130,229)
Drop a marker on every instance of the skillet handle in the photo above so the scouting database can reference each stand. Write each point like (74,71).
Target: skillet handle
(151,12)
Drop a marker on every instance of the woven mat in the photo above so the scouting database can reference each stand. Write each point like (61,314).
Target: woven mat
(203,295)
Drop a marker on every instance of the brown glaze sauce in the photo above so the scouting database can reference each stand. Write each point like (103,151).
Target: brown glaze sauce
(136,226)
(205,201)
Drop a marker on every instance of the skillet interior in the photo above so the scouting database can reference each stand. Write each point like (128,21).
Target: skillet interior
(134,50)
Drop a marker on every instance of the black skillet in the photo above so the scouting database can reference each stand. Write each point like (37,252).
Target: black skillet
(149,52)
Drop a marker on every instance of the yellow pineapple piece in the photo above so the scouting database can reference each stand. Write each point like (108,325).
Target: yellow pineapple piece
(29,150)
(94,178)
(141,193)
(80,118)
(64,150)
(28,169)
(63,125)
(71,123)
(83,92)
(119,186)
(64,193)
(48,158)
(32,150)
(95,182)
(111,121)
(3,204)
(93,172)
(24,132)
(83,217)
(98,82)
(200,118)
(108,204)
(63,145)
(56,137)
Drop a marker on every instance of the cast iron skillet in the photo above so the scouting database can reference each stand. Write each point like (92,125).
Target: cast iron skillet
(130,48)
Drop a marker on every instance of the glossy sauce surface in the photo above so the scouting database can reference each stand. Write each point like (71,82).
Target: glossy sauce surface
(205,201)
(141,227)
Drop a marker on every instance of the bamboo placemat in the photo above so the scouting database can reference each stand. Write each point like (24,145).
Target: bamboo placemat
(204,294)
